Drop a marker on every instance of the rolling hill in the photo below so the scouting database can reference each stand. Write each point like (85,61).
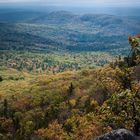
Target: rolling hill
(65,31)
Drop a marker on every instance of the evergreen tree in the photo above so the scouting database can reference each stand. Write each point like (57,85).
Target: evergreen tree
(5,108)
(71,90)
(1,79)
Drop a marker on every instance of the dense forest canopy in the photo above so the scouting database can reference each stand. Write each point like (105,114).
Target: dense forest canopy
(73,105)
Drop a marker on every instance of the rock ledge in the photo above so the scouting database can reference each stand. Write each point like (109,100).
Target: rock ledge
(119,134)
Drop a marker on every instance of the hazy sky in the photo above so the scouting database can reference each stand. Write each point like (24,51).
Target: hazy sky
(76,2)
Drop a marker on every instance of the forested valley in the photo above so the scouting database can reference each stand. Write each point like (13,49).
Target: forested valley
(65,76)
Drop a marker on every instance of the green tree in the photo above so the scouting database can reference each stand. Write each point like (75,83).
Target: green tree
(124,76)
(1,79)
(71,90)
(5,108)
(134,52)
(123,109)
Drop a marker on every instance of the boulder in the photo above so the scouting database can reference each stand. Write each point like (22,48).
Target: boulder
(119,134)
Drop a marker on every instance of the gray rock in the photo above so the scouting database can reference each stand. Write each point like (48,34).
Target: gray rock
(119,134)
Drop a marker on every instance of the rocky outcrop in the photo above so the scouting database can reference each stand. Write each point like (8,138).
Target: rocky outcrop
(120,134)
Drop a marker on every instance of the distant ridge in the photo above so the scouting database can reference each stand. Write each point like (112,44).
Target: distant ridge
(57,17)
(65,31)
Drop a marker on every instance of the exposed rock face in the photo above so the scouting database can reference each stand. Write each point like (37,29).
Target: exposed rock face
(120,134)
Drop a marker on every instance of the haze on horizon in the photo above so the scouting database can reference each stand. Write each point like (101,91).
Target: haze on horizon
(73,2)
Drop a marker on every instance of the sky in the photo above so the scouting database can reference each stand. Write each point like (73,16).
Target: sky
(73,2)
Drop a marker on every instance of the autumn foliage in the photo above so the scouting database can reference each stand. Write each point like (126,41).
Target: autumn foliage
(73,105)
